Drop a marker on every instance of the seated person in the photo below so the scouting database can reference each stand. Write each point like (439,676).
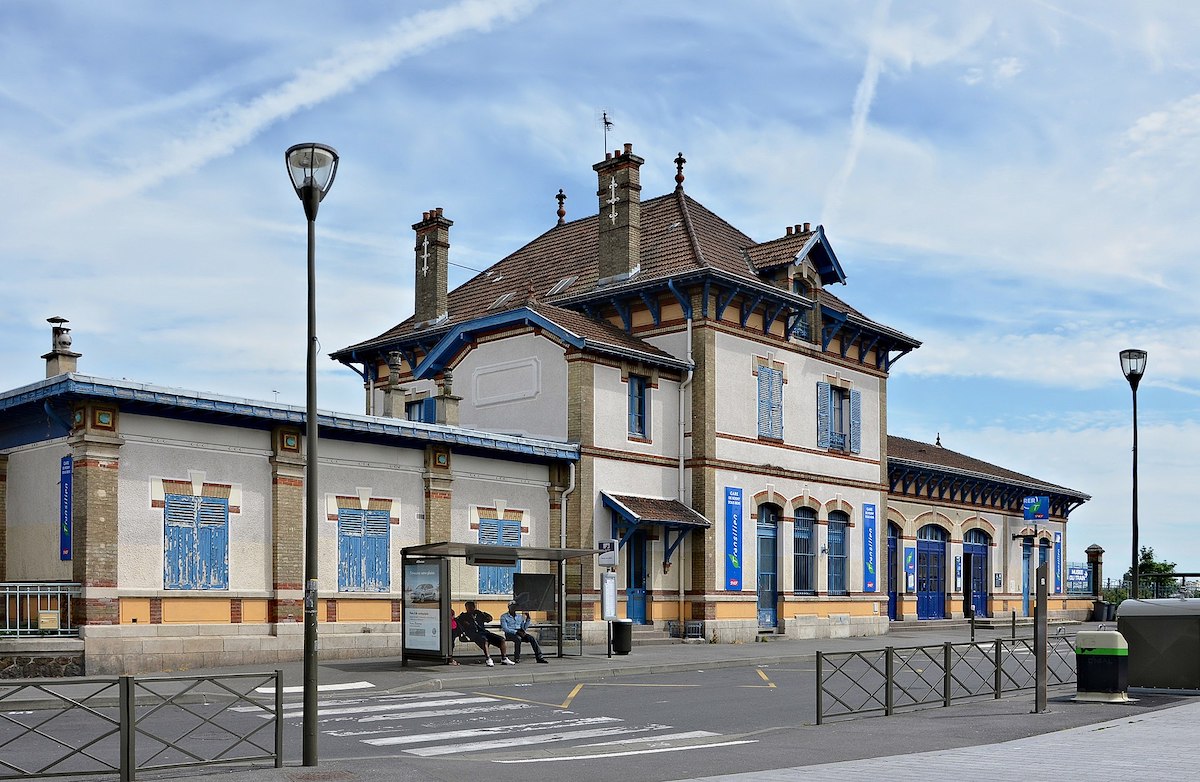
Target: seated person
(516,629)
(473,624)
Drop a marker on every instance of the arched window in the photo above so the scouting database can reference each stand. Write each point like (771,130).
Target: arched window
(806,551)
(839,522)
(977,537)
(933,532)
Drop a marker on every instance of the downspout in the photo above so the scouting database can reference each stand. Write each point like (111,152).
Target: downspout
(684,387)
(562,543)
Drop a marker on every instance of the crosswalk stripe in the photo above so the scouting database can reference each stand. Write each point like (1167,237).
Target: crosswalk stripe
(351,701)
(648,751)
(691,734)
(491,730)
(321,687)
(388,707)
(524,741)
(446,712)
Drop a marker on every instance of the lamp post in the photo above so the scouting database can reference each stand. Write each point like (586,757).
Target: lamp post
(1133,364)
(312,168)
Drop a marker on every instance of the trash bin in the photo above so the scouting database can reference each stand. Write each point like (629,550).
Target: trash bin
(1102,666)
(622,636)
(1164,642)
(1110,612)
(1100,611)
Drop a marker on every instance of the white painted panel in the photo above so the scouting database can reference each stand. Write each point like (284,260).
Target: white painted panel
(510,381)
(33,508)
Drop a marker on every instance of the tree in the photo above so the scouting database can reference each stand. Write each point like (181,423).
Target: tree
(1149,566)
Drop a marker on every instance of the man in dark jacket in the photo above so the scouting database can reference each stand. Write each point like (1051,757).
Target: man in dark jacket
(473,624)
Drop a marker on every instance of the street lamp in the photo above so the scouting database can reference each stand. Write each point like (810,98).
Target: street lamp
(1133,364)
(312,168)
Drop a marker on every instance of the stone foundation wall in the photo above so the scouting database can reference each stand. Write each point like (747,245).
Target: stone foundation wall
(37,658)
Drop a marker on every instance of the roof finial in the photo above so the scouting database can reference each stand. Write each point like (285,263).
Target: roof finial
(562,211)
(679,161)
(938,442)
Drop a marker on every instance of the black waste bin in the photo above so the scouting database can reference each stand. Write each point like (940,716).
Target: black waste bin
(1100,611)
(1110,612)
(622,636)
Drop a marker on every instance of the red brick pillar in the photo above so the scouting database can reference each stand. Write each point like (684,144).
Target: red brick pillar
(438,494)
(95,451)
(286,603)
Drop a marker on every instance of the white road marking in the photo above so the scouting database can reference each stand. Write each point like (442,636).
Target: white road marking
(322,687)
(691,734)
(446,712)
(523,741)
(491,730)
(351,701)
(387,707)
(653,751)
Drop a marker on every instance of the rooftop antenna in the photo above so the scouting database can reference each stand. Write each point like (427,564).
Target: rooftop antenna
(607,123)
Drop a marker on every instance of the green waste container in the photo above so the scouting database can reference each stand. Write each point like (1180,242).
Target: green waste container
(1102,665)
(622,636)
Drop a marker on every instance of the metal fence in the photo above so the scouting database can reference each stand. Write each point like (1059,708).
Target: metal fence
(125,724)
(38,608)
(882,681)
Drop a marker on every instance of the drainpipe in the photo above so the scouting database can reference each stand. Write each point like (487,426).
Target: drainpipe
(562,543)
(684,387)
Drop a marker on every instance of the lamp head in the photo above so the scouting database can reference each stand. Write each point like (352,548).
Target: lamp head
(312,168)
(1133,364)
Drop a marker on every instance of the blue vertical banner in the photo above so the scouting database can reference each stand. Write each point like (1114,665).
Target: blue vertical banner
(910,568)
(869,552)
(1058,563)
(64,510)
(733,538)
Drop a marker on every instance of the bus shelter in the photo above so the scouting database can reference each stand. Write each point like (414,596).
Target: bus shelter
(426,588)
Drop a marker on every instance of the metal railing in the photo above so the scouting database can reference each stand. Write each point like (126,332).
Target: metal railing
(33,608)
(124,724)
(882,681)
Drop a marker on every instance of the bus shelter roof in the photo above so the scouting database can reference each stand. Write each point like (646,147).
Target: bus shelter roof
(485,550)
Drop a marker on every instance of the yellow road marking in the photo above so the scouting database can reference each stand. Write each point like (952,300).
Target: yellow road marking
(770,685)
(562,705)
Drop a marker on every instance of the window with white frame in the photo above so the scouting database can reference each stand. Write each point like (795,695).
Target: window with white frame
(639,406)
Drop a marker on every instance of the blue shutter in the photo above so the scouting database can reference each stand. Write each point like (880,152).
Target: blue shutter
(213,543)
(377,551)
(179,542)
(764,403)
(494,532)
(770,403)
(351,524)
(855,421)
(777,403)
(823,393)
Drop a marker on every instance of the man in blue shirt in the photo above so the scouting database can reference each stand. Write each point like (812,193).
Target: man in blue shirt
(516,630)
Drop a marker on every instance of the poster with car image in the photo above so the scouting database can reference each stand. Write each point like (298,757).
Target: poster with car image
(423,614)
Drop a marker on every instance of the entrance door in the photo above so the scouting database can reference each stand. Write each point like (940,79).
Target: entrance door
(635,578)
(893,568)
(931,572)
(976,543)
(768,575)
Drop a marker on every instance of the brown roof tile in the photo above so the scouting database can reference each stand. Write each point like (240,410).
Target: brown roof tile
(653,509)
(938,456)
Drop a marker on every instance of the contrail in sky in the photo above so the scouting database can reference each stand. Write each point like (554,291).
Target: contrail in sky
(863,98)
(226,130)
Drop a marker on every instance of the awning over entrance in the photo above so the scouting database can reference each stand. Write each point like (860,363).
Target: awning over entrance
(640,512)
(486,551)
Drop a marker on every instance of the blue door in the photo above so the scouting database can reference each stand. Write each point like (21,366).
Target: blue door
(976,543)
(931,572)
(893,568)
(635,578)
(768,576)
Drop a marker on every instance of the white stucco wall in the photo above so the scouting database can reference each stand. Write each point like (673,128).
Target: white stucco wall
(516,386)
(159,448)
(611,405)
(33,513)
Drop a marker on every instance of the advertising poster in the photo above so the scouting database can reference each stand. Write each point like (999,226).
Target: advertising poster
(733,539)
(869,553)
(910,567)
(422,606)
(1058,563)
(64,510)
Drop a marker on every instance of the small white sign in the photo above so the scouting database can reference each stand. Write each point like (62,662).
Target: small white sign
(608,596)
(608,553)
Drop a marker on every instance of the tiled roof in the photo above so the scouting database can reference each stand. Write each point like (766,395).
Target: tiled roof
(778,252)
(901,448)
(652,510)
(678,236)
(596,332)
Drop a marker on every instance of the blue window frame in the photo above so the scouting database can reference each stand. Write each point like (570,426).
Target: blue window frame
(498,532)
(195,542)
(639,406)
(839,418)
(805,576)
(770,402)
(423,410)
(838,522)
(364,552)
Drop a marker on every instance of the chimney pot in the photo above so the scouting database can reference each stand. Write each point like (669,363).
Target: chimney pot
(439,211)
(788,230)
(807,227)
(608,156)
(628,147)
(424,215)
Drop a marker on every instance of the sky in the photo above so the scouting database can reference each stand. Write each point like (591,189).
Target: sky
(1012,183)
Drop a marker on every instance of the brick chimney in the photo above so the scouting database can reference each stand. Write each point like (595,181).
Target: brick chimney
(620,195)
(433,261)
(60,359)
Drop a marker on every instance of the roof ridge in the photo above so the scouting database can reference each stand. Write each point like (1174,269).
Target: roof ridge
(681,198)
